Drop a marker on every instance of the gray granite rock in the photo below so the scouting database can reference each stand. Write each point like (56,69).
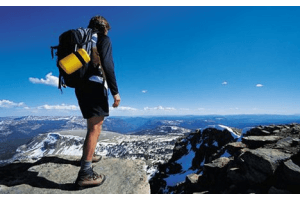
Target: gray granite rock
(56,175)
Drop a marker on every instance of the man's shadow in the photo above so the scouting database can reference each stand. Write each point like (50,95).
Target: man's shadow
(17,173)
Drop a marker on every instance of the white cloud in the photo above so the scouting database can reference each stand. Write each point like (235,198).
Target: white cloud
(259,85)
(160,108)
(10,104)
(50,80)
(144,91)
(124,108)
(58,107)
(224,83)
(184,109)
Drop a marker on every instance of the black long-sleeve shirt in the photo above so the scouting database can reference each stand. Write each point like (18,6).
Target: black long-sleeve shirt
(105,51)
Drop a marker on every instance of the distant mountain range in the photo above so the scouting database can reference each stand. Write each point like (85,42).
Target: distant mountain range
(16,131)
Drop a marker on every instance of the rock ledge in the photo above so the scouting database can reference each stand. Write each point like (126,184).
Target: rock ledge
(56,175)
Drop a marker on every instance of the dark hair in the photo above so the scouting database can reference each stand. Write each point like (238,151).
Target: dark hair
(99,23)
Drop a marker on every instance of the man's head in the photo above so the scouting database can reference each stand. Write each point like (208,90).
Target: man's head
(99,23)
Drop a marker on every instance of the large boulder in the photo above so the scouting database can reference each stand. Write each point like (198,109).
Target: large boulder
(261,163)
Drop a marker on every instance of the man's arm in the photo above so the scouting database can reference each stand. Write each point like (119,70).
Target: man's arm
(105,52)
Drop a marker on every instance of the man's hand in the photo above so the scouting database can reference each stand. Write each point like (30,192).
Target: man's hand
(117,100)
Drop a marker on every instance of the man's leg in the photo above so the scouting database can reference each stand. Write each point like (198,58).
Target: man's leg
(86,176)
(94,126)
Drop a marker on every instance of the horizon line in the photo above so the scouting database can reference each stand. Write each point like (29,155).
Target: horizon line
(151,115)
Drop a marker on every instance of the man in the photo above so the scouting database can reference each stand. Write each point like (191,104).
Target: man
(93,102)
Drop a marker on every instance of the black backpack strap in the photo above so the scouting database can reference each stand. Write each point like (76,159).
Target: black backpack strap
(60,76)
(59,82)
(52,48)
(80,58)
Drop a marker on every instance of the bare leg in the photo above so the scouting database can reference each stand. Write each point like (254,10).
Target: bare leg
(86,175)
(94,126)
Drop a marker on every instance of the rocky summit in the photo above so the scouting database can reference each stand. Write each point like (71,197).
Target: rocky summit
(222,160)
(57,174)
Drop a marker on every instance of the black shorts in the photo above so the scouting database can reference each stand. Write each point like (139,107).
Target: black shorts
(92,99)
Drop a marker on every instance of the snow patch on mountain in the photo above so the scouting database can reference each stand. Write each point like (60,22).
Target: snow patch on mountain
(51,144)
(186,162)
(222,128)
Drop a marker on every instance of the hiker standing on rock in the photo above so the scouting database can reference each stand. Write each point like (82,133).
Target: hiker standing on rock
(93,102)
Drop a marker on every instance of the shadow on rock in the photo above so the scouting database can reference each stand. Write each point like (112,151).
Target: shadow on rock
(20,173)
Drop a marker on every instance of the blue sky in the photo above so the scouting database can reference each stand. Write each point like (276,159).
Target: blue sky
(168,60)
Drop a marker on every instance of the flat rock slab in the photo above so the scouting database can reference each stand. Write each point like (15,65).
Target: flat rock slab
(57,174)
(258,141)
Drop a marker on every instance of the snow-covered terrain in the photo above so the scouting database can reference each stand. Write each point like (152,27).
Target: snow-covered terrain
(153,149)
(15,132)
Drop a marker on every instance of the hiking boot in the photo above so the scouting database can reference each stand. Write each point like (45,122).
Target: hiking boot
(89,179)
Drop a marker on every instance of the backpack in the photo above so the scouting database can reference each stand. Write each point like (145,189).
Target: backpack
(69,42)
